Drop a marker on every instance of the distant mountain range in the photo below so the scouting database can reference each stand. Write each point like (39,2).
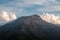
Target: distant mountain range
(29,28)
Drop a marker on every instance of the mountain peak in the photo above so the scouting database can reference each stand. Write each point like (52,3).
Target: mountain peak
(29,26)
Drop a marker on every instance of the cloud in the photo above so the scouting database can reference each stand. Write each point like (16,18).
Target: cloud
(51,18)
(49,9)
(18,6)
(6,17)
(27,7)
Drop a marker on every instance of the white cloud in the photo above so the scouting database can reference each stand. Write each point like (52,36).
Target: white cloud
(51,18)
(49,9)
(16,5)
(31,2)
(6,17)
(23,3)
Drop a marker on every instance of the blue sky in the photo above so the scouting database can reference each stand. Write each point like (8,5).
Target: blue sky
(29,7)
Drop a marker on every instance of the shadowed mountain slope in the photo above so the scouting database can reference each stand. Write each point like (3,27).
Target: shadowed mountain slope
(29,28)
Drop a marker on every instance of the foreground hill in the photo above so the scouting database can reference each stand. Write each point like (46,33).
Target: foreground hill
(29,28)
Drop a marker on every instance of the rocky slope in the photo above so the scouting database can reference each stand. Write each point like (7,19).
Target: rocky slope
(29,28)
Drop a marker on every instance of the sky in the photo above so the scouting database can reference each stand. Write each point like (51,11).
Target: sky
(29,7)
(12,9)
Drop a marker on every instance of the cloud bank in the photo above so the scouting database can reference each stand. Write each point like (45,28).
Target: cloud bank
(6,17)
(27,7)
(19,6)
(51,18)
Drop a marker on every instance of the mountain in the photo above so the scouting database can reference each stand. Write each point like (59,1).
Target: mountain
(29,28)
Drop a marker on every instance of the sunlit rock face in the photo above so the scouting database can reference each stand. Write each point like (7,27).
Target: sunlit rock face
(6,17)
(51,18)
